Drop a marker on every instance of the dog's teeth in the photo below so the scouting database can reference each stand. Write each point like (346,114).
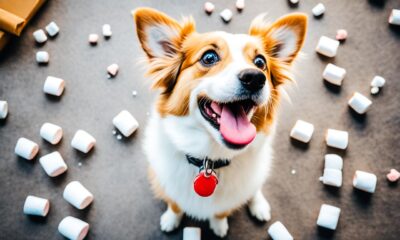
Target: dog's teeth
(214,115)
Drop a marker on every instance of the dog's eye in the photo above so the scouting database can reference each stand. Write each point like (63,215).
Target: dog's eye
(209,58)
(260,62)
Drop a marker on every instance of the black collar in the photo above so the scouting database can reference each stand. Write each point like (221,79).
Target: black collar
(219,163)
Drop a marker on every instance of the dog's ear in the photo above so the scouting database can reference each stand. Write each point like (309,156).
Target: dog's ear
(284,38)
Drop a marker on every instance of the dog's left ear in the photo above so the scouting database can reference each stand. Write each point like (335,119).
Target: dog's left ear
(284,38)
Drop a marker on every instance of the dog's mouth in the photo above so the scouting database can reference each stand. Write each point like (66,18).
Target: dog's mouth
(231,119)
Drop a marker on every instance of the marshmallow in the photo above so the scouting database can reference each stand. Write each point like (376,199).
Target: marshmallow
(51,133)
(302,131)
(278,231)
(341,34)
(364,181)
(36,206)
(93,38)
(191,233)
(328,216)
(54,86)
(394,17)
(294,1)
(113,69)
(393,175)
(378,81)
(40,36)
(53,164)
(83,141)
(42,57)
(52,29)
(209,7)
(125,123)
(374,90)
(327,46)
(334,74)
(26,148)
(3,109)
(332,177)
(240,5)
(73,228)
(318,10)
(107,30)
(359,103)
(77,195)
(226,15)
(337,139)
(333,161)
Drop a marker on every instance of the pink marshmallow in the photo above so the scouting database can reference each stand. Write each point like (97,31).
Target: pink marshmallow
(341,34)
(112,69)
(209,7)
(93,38)
(393,175)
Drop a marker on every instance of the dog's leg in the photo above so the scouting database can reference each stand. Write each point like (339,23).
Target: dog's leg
(219,224)
(259,207)
(171,218)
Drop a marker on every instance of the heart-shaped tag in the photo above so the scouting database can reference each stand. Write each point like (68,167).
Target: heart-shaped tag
(204,184)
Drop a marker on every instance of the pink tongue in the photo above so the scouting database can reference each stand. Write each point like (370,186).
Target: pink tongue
(235,128)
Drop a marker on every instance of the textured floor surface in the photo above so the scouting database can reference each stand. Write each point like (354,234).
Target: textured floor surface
(116,170)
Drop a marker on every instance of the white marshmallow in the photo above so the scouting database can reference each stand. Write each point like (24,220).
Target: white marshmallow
(125,123)
(294,1)
(394,17)
(113,69)
(226,15)
(93,38)
(337,139)
(3,109)
(359,103)
(36,206)
(191,233)
(209,7)
(54,86)
(26,148)
(318,10)
(52,29)
(328,216)
(333,161)
(302,131)
(42,57)
(240,5)
(378,81)
(40,36)
(365,181)
(374,90)
(77,195)
(53,164)
(334,74)
(51,133)
(327,46)
(83,141)
(332,177)
(107,30)
(278,231)
(73,228)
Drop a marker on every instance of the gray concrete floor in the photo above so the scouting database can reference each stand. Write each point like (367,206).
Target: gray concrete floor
(115,171)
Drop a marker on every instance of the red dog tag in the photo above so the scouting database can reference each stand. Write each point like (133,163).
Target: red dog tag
(204,184)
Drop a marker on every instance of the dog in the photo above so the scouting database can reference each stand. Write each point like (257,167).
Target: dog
(208,139)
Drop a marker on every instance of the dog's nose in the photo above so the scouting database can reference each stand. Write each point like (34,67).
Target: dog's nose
(252,79)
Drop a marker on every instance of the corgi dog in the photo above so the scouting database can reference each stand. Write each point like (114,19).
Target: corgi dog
(208,139)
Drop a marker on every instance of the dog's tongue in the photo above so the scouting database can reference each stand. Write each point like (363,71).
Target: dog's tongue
(235,127)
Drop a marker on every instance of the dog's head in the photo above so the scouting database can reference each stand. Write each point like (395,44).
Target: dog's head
(226,82)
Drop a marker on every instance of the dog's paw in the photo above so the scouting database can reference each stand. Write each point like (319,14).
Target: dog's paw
(219,226)
(260,209)
(170,220)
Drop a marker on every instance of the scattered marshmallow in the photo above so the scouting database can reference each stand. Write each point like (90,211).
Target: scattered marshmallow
(77,195)
(73,228)
(278,231)
(42,57)
(378,81)
(53,164)
(334,74)
(26,148)
(119,137)
(393,175)
(293,172)
(333,161)
(328,216)
(226,15)
(3,109)
(93,38)
(125,123)
(114,131)
(51,133)
(359,103)
(294,1)
(107,30)
(36,206)
(302,131)
(112,70)
(39,36)
(337,139)
(240,5)
(394,17)
(365,181)
(54,86)
(332,177)
(318,10)
(341,34)
(83,141)
(52,29)
(134,93)
(327,46)
(209,7)
(191,233)
(374,90)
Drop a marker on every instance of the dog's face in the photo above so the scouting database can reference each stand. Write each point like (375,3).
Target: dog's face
(228,83)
